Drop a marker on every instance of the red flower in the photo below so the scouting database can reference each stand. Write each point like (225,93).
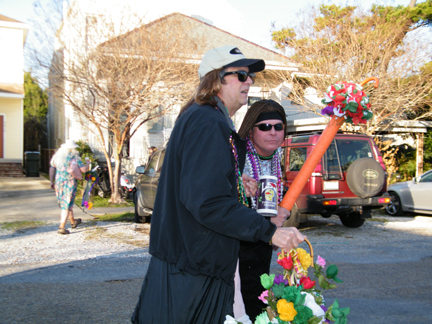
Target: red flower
(307,283)
(285,262)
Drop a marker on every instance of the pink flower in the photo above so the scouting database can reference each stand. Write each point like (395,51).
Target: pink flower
(321,261)
(263,297)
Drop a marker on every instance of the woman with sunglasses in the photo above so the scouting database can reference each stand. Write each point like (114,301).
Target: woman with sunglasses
(264,129)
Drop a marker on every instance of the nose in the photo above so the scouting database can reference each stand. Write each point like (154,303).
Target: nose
(272,131)
(249,80)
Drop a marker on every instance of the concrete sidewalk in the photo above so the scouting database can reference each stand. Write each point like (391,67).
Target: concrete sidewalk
(32,199)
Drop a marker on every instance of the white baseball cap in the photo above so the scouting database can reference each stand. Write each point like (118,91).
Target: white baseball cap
(227,56)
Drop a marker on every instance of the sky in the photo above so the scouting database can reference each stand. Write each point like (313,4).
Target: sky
(258,15)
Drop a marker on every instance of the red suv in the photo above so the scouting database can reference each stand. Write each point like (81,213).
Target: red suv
(349,181)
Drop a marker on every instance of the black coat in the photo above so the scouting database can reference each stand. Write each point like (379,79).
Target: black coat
(197,220)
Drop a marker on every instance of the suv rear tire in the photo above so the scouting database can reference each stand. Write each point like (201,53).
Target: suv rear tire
(294,219)
(352,220)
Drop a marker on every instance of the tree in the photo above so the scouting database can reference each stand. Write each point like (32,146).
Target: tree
(117,77)
(335,43)
(35,110)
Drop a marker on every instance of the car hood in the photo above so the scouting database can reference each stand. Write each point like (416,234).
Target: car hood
(399,185)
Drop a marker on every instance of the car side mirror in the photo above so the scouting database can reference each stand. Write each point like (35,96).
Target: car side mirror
(416,179)
(140,169)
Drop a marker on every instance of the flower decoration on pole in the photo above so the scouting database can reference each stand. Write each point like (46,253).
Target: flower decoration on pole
(348,100)
(92,179)
(345,102)
(294,298)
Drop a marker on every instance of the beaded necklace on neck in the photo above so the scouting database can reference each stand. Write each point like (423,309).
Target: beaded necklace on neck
(255,162)
(241,192)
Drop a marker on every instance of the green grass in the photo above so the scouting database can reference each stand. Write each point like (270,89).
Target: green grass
(122,217)
(103,202)
(23,225)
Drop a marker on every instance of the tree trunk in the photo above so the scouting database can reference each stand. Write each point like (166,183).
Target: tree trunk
(412,3)
(115,180)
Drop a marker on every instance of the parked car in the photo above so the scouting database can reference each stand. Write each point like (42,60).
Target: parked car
(411,196)
(349,181)
(146,186)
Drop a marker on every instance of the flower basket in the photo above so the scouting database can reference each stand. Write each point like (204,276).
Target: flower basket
(294,298)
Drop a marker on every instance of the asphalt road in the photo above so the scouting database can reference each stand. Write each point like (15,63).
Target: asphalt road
(386,266)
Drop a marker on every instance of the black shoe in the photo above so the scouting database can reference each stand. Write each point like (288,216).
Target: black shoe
(77,222)
(63,231)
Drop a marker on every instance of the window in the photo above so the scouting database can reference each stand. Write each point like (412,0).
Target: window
(351,150)
(426,177)
(150,171)
(297,158)
(252,100)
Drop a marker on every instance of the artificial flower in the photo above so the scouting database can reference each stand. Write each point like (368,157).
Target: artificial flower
(304,257)
(304,313)
(311,303)
(339,314)
(321,261)
(307,283)
(286,310)
(263,297)
(285,261)
(267,281)
(90,205)
(332,272)
(264,319)
(327,110)
(280,279)
(293,294)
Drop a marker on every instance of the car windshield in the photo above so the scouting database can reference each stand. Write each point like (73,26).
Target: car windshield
(342,152)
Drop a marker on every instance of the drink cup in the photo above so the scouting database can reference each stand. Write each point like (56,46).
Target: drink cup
(267,196)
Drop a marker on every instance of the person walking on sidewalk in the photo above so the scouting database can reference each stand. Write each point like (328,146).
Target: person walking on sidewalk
(65,184)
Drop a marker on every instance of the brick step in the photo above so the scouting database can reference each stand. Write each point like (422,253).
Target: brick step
(12,174)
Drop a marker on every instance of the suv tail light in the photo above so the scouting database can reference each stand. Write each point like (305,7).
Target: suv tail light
(384,200)
(329,202)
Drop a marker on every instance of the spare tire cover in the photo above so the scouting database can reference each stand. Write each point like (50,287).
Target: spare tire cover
(365,177)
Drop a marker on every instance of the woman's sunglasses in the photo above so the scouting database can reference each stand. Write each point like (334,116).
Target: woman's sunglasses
(241,75)
(267,127)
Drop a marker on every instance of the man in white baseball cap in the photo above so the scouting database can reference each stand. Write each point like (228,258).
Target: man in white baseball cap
(227,56)
(201,210)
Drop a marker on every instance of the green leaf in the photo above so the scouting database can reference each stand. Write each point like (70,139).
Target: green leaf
(314,320)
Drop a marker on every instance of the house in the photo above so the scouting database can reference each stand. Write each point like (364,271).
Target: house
(13,35)
(65,124)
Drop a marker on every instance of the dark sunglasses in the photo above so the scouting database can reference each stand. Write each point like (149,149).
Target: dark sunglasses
(267,127)
(241,75)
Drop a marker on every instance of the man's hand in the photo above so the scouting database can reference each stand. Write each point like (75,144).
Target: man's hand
(250,185)
(287,238)
(281,217)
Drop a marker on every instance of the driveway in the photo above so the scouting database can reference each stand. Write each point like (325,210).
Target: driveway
(32,199)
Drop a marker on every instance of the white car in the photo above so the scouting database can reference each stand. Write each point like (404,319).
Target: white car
(413,196)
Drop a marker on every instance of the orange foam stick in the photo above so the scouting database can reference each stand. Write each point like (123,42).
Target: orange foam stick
(313,159)
(311,162)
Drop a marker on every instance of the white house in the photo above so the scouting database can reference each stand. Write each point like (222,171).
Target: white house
(13,35)
(63,121)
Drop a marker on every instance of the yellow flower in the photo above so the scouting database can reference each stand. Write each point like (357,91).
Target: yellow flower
(93,178)
(286,310)
(305,258)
